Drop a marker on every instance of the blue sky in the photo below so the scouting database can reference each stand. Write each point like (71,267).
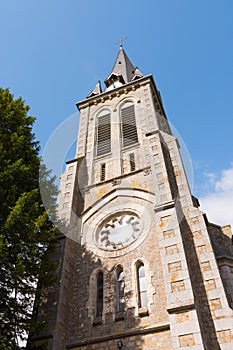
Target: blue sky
(54,52)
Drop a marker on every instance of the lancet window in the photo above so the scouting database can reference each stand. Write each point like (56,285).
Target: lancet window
(141,284)
(120,290)
(99,294)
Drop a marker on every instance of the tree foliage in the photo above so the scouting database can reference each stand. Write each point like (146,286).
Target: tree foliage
(26,232)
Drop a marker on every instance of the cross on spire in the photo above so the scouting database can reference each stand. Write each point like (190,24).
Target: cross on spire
(122,40)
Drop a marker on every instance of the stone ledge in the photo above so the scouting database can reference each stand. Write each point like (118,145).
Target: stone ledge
(165,206)
(73,160)
(139,331)
(183,308)
(40,337)
(153,132)
(120,177)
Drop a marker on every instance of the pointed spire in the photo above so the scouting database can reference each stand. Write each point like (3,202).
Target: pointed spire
(137,74)
(123,69)
(96,91)
(123,72)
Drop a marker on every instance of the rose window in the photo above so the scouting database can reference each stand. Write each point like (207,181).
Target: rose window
(119,231)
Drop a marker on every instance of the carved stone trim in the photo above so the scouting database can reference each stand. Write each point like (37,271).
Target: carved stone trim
(147,172)
(116,182)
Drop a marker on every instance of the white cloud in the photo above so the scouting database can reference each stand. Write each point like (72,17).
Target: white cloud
(226,182)
(211,177)
(218,204)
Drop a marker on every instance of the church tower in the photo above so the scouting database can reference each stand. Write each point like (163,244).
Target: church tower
(140,266)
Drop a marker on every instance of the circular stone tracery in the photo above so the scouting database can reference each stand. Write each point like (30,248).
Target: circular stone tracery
(118,231)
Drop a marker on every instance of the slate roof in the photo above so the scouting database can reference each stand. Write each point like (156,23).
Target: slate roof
(219,250)
(123,67)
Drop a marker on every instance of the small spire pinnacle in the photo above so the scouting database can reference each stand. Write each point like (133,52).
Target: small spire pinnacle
(96,91)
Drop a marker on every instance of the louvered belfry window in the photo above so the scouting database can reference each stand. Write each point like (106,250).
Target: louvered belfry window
(103,142)
(129,128)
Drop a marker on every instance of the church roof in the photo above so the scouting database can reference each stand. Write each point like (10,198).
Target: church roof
(219,250)
(122,67)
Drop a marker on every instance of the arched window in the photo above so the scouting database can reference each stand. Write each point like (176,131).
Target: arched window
(120,290)
(99,294)
(128,125)
(141,281)
(103,137)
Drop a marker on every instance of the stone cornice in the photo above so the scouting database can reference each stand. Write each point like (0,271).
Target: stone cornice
(132,86)
(108,95)
(182,308)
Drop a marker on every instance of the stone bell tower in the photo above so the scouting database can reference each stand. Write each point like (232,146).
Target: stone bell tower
(140,266)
